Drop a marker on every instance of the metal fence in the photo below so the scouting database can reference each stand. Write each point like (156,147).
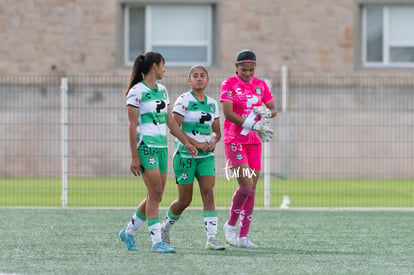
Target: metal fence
(327,128)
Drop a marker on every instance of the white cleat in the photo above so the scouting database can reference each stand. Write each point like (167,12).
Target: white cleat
(213,245)
(230,232)
(245,242)
(165,235)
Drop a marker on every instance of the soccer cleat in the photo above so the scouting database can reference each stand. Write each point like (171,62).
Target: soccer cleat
(128,240)
(245,242)
(165,235)
(213,245)
(162,247)
(230,234)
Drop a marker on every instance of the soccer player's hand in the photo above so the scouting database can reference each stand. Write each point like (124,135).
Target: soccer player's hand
(135,166)
(267,135)
(262,128)
(263,111)
(191,149)
(204,146)
(252,124)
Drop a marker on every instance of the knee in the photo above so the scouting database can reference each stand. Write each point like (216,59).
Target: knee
(208,196)
(155,195)
(185,202)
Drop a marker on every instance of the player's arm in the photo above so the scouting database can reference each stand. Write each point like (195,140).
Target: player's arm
(199,145)
(178,133)
(133,113)
(272,107)
(216,135)
(230,115)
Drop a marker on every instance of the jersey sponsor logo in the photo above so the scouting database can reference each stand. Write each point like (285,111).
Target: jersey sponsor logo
(160,105)
(194,106)
(205,117)
(251,100)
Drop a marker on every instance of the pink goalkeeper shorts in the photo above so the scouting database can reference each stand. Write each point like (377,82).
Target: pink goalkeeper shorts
(237,154)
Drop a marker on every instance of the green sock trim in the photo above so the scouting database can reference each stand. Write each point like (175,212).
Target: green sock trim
(172,216)
(140,215)
(153,221)
(209,214)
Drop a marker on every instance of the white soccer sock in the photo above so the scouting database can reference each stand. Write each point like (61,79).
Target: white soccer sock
(169,221)
(155,232)
(210,225)
(133,225)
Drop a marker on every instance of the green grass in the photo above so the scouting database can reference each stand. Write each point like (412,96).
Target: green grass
(84,241)
(127,192)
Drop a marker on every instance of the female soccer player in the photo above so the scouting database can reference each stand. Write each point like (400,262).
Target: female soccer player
(242,97)
(198,116)
(148,110)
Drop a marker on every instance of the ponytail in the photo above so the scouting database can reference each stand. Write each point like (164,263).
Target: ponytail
(142,66)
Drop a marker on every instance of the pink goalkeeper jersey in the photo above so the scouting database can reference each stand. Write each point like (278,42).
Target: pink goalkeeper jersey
(244,97)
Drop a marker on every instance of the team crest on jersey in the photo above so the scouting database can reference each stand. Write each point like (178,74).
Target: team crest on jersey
(212,108)
(152,160)
(164,94)
(239,156)
(184,175)
(258,91)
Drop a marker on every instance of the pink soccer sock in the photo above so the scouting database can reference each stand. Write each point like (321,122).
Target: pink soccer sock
(246,214)
(239,198)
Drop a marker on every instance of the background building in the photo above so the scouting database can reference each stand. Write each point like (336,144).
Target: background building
(310,37)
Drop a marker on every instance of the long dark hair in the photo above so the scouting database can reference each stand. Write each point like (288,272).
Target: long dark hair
(142,66)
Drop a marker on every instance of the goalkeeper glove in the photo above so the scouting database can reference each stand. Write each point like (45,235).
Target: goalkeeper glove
(256,126)
(263,111)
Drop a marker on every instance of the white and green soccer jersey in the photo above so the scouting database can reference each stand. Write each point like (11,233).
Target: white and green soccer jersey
(197,120)
(152,119)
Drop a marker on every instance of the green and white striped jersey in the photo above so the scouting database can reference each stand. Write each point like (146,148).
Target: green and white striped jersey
(197,120)
(152,118)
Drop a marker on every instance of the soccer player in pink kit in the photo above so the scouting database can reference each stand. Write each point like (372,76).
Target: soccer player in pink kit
(242,97)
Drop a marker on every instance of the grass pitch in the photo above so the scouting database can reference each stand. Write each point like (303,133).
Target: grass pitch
(85,241)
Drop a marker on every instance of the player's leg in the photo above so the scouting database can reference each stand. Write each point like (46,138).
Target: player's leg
(210,216)
(206,179)
(155,180)
(127,234)
(173,214)
(184,172)
(246,213)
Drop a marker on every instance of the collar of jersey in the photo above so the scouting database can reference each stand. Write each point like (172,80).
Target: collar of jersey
(244,83)
(150,87)
(205,97)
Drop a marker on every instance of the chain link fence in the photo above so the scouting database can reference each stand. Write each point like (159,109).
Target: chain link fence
(327,128)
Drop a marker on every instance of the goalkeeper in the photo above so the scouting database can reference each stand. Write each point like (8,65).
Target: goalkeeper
(247,106)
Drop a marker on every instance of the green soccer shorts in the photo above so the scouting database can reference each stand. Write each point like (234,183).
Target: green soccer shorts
(153,157)
(186,169)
